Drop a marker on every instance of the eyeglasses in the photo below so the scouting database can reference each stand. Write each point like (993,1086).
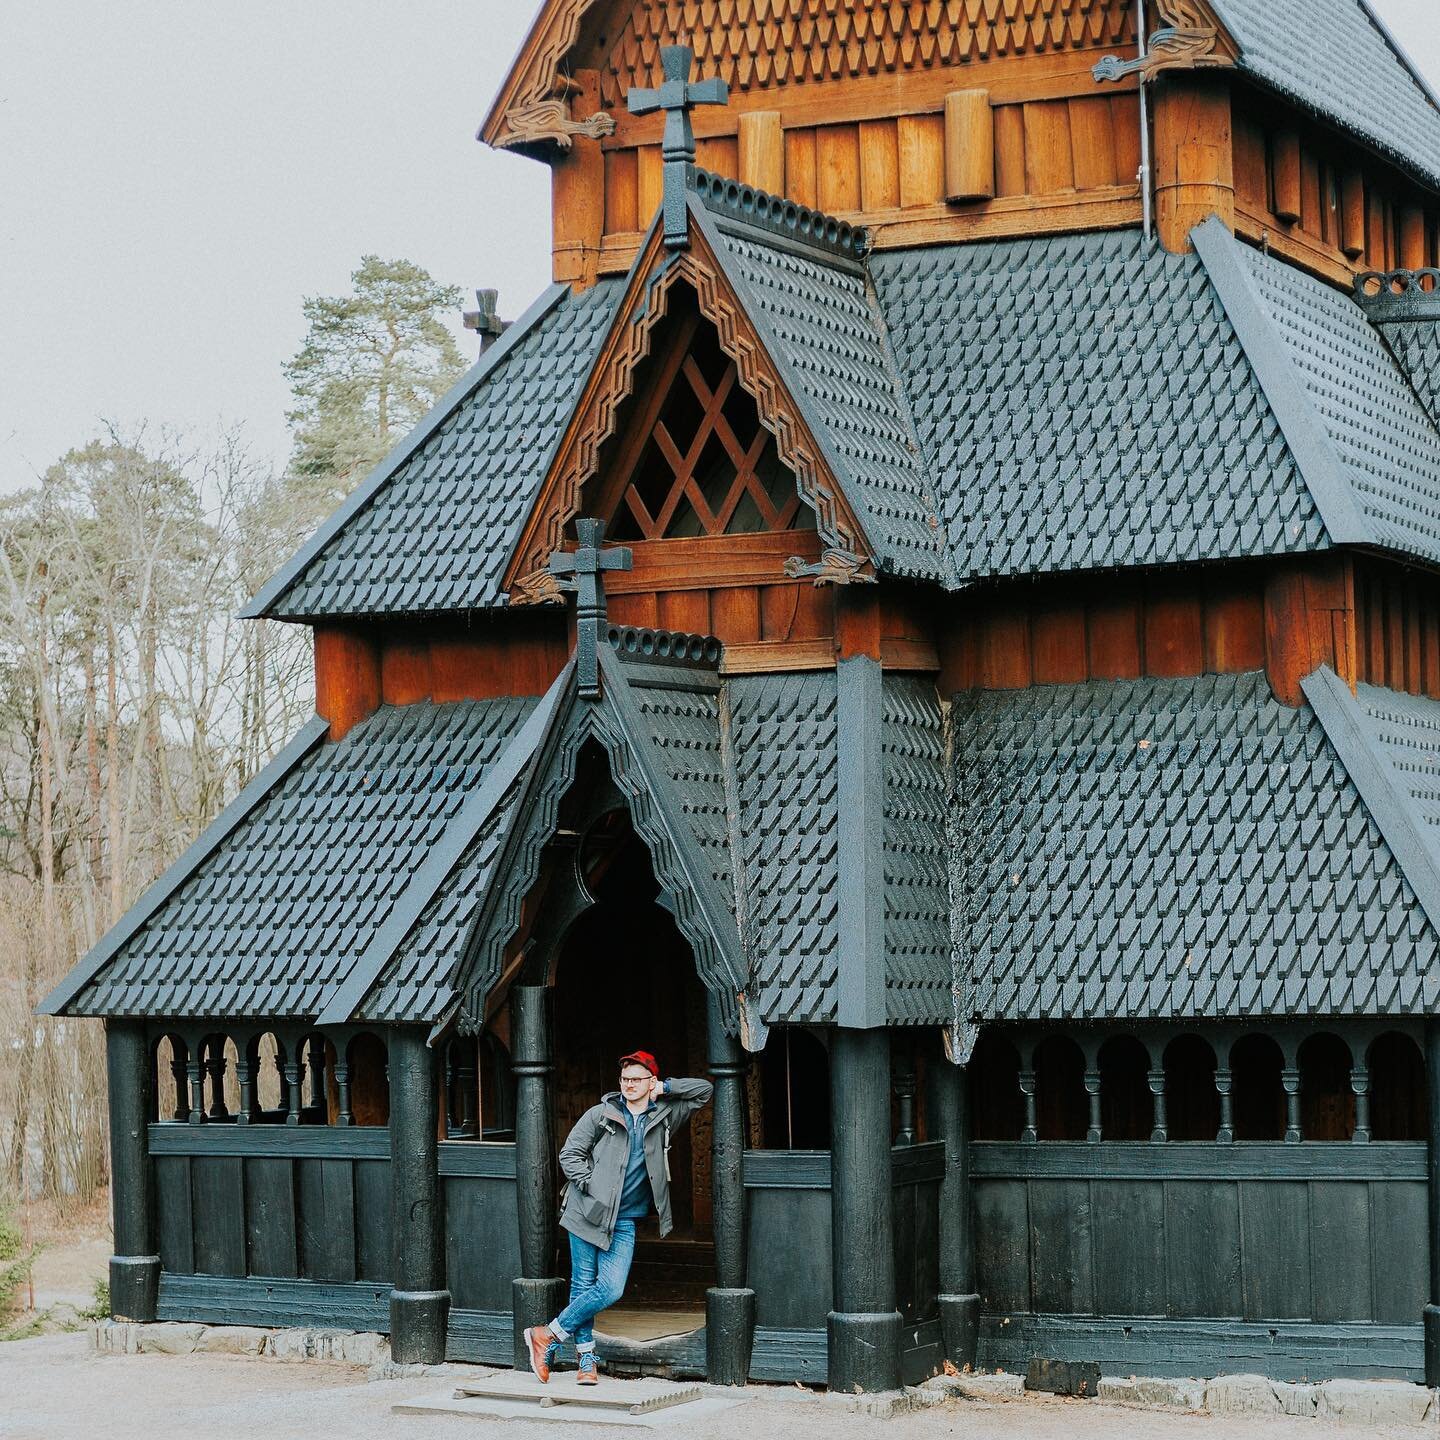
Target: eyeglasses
(635,1079)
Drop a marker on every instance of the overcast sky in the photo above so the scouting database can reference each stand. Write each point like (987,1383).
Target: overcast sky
(175,175)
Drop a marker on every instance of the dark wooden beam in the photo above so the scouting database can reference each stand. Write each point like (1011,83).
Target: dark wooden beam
(948,1113)
(864,1326)
(729,1304)
(1432,1310)
(134,1267)
(419,1301)
(537,1295)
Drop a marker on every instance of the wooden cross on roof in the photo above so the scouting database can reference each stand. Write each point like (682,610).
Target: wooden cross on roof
(583,571)
(677,97)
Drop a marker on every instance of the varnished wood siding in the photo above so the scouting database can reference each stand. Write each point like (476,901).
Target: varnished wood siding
(1397,628)
(1322,201)
(1059,163)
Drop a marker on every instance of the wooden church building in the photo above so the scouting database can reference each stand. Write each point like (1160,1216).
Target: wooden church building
(932,620)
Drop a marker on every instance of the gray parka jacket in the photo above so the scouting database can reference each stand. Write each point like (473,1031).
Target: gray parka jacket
(594,1154)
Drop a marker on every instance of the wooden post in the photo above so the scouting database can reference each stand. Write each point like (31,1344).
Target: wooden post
(1160,1129)
(419,1301)
(577,189)
(1194,156)
(347,676)
(134,1267)
(1224,1086)
(1285,170)
(969,146)
(1031,1132)
(864,1327)
(1094,1133)
(948,1114)
(730,1303)
(1432,1310)
(536,1295)
(1290,1079)
(1360,1088)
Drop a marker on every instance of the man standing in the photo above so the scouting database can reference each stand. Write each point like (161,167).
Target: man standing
(617,1165)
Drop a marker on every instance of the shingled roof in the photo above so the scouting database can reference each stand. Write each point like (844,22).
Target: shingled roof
(283,901)
(1185,849)
(1337,59)
(431,528)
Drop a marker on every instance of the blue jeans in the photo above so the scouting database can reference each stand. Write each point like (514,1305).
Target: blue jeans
(597,1281)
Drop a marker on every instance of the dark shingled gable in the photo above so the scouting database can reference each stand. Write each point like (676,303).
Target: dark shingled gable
(436,534)
(1184,849)
(1334,58)
(273,920)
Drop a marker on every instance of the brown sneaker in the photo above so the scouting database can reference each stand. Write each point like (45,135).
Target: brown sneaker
(588,1375)
(538,1342)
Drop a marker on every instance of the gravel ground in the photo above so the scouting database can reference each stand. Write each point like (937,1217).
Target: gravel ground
(54,1388)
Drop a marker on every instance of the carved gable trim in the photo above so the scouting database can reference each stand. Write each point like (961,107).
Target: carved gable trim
(612,382)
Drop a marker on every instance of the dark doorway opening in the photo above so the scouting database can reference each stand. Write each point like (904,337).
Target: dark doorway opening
(625,980)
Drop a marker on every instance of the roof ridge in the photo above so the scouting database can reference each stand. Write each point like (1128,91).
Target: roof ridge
(1401,53)
(1321,467)
(778,215)
(292,570)
(1373,774)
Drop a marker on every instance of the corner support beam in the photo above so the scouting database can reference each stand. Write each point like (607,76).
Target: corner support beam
(419,1301)
(537,1295)
(861,854)
(948,1109)
(864,1327)
(134,1267)
(1432,1309)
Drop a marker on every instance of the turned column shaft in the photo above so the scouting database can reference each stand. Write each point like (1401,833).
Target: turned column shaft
(729,1303)
(947,1114)
(1432,1310)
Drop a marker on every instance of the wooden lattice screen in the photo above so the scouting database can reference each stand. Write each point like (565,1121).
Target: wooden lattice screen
(693,458)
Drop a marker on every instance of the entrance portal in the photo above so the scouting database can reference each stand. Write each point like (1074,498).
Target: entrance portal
(625,980)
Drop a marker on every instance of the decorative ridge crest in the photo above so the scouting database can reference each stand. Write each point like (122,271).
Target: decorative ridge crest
(666,647)
(1399,294)
(763,211)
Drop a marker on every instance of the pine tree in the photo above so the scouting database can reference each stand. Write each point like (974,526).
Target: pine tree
(373,363)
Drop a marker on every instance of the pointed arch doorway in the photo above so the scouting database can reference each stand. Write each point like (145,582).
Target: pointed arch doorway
(602,958)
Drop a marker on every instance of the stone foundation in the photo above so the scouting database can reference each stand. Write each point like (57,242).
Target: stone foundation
(342,1347)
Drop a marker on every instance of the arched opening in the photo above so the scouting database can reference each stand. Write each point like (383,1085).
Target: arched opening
(369,1087)
(997,1107)
(1127,1108)
(266,1056)
(1191,1101)
(794,1085)
(462,1088)
(213,1070)
(624,979)
(170,1100)
(1327,1102)
(1255,1068)
(1062,1106)
(1398,1091)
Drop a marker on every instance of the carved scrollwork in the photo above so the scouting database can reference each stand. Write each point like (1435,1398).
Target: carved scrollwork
(539,587)
(1190,41)
(543,120)
(834,567)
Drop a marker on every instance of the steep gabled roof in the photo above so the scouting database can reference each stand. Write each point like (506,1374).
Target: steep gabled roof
(786,290)
(430,528)
(1337,59)
(1183,849)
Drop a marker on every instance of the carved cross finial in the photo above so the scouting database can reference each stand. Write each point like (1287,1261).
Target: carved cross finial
(583,571)
(677,97)
(485,318)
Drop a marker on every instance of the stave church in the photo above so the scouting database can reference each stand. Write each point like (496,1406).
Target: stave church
(931,620)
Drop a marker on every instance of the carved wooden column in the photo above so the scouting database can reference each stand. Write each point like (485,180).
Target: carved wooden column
(134,1267)
(536,1294)
(864,1327)
(1194,156)
(948,1115)
(1432,1310)
(419,1301)
(729,1303)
